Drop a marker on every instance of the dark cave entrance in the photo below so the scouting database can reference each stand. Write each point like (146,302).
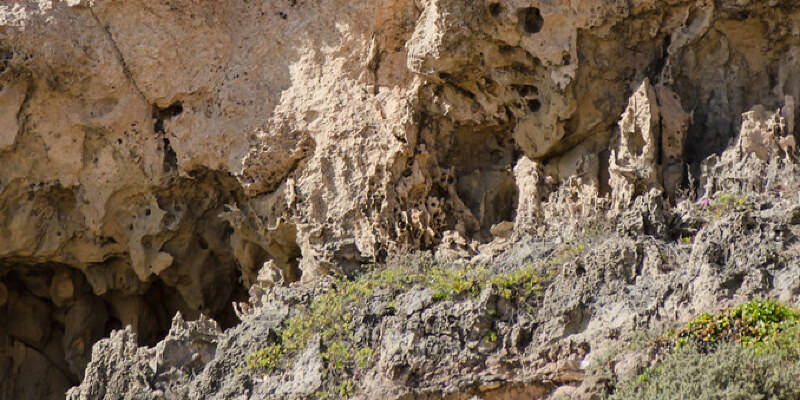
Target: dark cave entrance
(483,161)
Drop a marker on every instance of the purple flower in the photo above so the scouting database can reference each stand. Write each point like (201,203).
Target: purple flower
(704,202)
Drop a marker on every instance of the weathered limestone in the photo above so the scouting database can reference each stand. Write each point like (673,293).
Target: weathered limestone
(648,153)
(765,134)
(758,159)
(675,124)
(156,154)
(528,177)
(633,162)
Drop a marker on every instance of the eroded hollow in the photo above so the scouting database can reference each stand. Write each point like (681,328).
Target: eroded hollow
(534,105)
(53,312)
(530,20)
(483,160)
(52,315)
(160,115)
(495,9)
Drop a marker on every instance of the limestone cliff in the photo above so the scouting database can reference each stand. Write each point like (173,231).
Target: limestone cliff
(155,155)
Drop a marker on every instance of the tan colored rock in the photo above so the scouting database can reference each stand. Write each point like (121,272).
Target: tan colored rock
(11,99)
(761,133)
(172,147)
(763,148)
(632,165)
(62,288)
(675,124)
(529,178)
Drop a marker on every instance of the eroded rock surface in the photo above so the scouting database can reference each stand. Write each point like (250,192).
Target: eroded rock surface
(155,155)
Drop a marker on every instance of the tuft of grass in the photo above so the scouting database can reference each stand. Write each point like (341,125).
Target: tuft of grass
(565,253)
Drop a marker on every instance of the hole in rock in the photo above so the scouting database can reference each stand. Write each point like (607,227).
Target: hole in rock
(530,20)
(160,115)
(534,105)
(495,9)
(526,90)
(164,114)
(170,157)
(636,143)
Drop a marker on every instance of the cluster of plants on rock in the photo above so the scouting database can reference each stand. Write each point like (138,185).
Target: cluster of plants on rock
(747,324)
(724,203)
(331,317)
(748,352)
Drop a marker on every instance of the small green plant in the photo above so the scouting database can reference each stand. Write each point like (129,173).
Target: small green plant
(565,253)
(447,283)
(523,282)
(322,394)
(647,375)
(491,337)
(345,389)
(337,354)
(724,203)
(364,357)
(267,359)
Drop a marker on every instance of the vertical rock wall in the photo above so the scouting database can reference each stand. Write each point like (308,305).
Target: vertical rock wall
(155,154)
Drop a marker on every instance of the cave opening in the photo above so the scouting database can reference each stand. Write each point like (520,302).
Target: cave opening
(483,160)
(53,309)
(52,315)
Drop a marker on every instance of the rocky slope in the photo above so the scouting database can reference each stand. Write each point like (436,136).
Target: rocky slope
(156,155)
(560,329)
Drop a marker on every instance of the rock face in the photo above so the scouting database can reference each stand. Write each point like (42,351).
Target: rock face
(155,155)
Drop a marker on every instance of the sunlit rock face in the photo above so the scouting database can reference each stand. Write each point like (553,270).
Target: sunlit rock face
(154,155)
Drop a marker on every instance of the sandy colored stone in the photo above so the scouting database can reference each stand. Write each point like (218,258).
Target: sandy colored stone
(165,151)
(632,165)
(62,288)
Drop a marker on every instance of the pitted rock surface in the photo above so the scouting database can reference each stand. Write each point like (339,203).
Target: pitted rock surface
(161,157)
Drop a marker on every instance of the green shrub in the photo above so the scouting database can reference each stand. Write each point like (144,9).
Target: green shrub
(770,370)
(746,324)
(748,352)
